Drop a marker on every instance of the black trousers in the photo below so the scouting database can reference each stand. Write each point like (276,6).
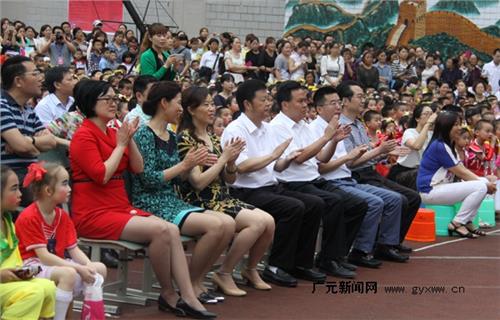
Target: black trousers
(342,216)
(404,176)
(411,199)
(297,217)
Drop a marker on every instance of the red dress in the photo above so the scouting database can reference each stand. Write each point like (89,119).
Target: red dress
(99,211)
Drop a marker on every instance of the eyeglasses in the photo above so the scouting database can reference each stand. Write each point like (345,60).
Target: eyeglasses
(35,73)
(115,99)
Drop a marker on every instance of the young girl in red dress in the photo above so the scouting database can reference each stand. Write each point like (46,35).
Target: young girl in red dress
(46,232)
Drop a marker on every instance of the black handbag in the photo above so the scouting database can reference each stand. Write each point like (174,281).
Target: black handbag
(206,72)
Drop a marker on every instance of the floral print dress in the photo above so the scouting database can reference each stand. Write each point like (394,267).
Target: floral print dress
(150,191)
(216,195)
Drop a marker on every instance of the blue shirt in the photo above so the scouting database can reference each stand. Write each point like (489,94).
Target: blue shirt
(433,170)
(25,120)
(385,71)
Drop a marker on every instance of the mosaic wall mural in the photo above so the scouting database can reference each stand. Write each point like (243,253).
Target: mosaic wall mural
(450,26)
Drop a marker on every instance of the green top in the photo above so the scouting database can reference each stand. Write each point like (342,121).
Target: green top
(151,65)
(151,192)
(6,246)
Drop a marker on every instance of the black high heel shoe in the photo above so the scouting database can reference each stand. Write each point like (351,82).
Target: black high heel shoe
(454,229)
(192,312)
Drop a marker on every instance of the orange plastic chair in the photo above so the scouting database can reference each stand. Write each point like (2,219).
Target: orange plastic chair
(423,227)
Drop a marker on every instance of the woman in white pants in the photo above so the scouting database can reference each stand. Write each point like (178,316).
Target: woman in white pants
(437,170)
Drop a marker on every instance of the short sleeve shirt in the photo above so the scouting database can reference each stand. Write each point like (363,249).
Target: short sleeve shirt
(281,63)
(303,136)
(437,159)
(412,160)
(33,232)
(25,120)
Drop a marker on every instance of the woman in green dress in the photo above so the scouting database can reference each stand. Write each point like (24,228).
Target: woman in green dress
(206,187)
(153,190)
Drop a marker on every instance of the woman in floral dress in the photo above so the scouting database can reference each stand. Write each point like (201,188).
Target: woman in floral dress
(153,190)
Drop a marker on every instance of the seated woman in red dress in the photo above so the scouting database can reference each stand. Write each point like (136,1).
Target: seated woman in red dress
(100,208)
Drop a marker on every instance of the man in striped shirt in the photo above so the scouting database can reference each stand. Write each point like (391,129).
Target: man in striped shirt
(23,135)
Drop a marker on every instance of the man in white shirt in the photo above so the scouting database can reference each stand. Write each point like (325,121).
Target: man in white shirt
(343,213)
(297,215)
(384,206)
(491,70)
(211,58)
(60,82)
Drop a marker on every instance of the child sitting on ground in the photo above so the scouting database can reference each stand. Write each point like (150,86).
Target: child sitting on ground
(46,232)
(19,299)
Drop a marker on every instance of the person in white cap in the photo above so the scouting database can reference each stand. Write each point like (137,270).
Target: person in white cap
(97,24)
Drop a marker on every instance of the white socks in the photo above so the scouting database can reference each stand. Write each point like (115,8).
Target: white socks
(63,299)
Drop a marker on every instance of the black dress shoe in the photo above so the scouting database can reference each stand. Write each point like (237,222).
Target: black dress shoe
(308,274)
(343,262)
(192,312)
(332,268)
(108,258)
(403,249)
(388,253)
(205,298)
(164,306)
(280,277)
(362,259)
(215,295)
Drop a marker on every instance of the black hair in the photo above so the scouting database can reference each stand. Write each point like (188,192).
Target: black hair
(11,69)
(192,98)
(442,127)
(469,113)
(285,90)
(212,40)
(416,115)
(33,29)
(432,78)
(319,95)
(480,123)
(403,122)
(123,82)
(453,108)
(43,28)
(478,83)
(369,115)
(141,83)
(385,123)
(160,90)
(345,90)
(6,171)
(55,74)
(127,54)
(387,109)
(246,91)
(87,93)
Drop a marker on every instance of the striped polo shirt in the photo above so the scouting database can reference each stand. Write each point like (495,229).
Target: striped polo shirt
(25,120)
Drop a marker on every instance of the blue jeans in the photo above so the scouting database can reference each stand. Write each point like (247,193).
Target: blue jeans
(383,215)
